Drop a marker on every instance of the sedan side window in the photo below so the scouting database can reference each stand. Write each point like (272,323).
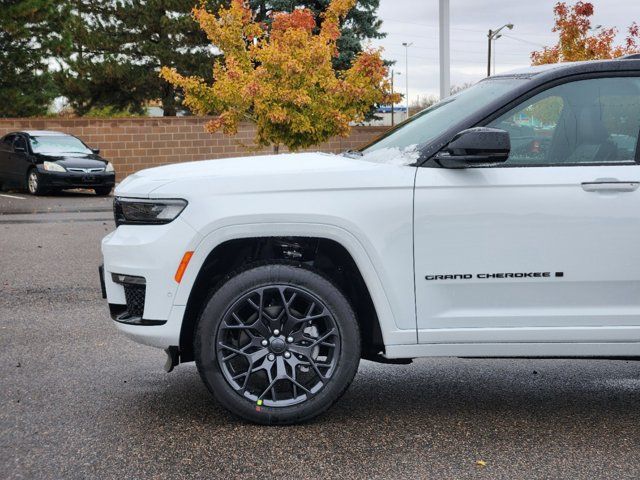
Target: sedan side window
(594,121)
(19,143)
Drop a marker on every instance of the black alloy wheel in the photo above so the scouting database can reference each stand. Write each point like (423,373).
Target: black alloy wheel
(277,344)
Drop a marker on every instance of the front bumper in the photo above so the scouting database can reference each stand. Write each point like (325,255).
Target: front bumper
(76,180)
(152,253)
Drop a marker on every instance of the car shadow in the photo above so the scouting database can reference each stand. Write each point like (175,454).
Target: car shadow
(453,392)
(72,193)
(78,193)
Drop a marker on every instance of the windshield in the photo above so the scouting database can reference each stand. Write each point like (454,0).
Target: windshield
(401,145)
(57,144)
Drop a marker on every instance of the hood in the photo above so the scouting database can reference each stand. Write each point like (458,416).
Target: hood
(297,171)
(243,166)
(73,160)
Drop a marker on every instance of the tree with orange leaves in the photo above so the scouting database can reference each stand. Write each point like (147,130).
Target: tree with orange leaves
(281,77)
(577,42)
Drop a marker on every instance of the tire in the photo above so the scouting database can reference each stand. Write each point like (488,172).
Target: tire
(318,336)
(103,191)
(34,183)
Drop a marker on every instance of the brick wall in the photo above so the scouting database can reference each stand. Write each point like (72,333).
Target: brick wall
(136,143)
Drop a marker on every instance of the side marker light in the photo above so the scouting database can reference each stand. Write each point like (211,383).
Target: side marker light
(183,266)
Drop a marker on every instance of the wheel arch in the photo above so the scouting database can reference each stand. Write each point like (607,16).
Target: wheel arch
(324,254)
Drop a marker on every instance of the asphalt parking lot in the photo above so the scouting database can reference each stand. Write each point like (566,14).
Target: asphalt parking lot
(81,401)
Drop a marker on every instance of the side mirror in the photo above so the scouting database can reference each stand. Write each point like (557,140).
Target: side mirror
(474,147)
(95,150)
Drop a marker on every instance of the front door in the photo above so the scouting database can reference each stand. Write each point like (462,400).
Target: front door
(19,161)
(545,247)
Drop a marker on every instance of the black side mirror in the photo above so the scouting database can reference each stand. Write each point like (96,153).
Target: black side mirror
(95,150)
(474,147)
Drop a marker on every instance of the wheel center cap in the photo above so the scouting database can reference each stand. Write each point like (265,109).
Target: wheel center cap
(278,345)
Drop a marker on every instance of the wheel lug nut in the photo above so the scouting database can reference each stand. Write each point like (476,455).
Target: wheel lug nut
(264,343)
(290,339)
(271,357)
(276,332)
(287,354)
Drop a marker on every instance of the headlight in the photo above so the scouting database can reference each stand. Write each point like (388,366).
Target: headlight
(137,211)
(53,167)
(109,167)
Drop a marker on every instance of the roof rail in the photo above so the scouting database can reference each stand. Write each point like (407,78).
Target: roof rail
(630,56)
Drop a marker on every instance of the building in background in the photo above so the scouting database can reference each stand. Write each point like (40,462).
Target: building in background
(384,116)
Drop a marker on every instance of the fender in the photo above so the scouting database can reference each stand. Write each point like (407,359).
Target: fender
(392,335)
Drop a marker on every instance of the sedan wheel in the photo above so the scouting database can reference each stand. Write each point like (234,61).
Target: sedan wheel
(102,191)
(33,183)
(277,344)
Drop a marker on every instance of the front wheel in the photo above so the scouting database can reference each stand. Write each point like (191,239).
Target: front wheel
(277,344)
(34,184)
(103,191)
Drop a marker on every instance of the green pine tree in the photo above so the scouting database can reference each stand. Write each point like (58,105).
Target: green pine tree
(118,48)
(29,37)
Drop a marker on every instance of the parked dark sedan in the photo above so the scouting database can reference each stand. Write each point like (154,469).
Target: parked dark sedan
(45,161)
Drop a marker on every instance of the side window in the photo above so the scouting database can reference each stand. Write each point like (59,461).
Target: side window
(19,142)
(621,118)
(594,121)
(531,128)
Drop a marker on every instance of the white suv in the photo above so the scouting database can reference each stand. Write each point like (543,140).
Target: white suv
(502,222)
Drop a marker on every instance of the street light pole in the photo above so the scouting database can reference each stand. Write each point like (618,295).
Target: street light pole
(392,119)
(444,24)
(406,72)
(490,39)
(491,36)
(393,75)
(493,55)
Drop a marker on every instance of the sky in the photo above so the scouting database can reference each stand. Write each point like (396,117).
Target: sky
(417,21)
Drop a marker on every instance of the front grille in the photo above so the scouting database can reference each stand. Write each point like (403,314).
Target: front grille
(85,170)
(134,295)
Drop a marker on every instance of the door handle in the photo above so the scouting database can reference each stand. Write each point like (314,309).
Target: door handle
(610,186)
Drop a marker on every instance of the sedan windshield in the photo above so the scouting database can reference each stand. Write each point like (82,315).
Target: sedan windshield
(57,144)
(400,147)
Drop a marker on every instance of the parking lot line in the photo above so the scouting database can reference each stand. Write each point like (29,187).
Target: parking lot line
(11,196)
(57,220)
